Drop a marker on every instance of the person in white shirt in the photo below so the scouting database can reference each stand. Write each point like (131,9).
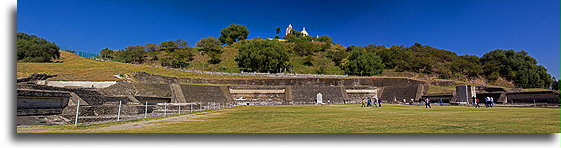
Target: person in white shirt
(492,101)
(427,103)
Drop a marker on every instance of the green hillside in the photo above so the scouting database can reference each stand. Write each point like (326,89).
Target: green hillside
(74,67)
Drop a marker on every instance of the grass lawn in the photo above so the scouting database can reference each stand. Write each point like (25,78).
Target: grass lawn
(433,89)
(354,119)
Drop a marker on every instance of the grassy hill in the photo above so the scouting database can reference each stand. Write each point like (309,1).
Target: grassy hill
(74,67)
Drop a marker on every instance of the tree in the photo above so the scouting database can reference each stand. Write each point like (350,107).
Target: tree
(305,48)
(168,44)
(322,64)
(107,53)
(262,55)
(391,57)
(30,48)
(325,39)
(363,63)
(337,56)
(215,57)
(233,33)
(467,65)
(150,47)
(211,46)
(131,54)
(555,85)
(308,60)
(290,37)
(177,59)
(517,67)
(173,45)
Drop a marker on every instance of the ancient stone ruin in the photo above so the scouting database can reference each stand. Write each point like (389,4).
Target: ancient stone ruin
(42,104)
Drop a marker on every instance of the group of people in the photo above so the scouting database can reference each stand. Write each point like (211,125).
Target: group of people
(376,103)
(489,102)
(422,101)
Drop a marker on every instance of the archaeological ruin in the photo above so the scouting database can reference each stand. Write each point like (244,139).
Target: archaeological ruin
(43,102)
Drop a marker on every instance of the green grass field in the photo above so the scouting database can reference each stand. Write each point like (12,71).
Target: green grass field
(342,119)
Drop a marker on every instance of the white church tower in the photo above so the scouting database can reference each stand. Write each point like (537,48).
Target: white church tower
(288,29)
(305,32)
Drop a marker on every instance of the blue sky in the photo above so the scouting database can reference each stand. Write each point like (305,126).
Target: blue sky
(465,27)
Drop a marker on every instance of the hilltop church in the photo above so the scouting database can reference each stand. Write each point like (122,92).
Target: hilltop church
(289,28)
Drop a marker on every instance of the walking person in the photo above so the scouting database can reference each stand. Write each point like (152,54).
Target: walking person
(363,103)
(369,103)
(427,103)
(375,102)
(486,102)
(379,102)
(476,102)
(492,102)
(440,101)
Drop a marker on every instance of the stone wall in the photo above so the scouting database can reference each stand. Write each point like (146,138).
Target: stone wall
(396,94)
(152,100)
(258,95)
(41,99)
(138,89)
(397,88)
(352,81)
(91,95)
(41,102)
(435,98)
(550,97)
(308,94)
(205,93)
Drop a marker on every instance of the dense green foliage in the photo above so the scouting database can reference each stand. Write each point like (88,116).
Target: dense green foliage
(555,85)
(305,48)
(233,33)
(363,63)
(262,55)
(177,59)
(131,54)
(509,65)
(517,67)
(174,54)
(30,48)
(211,46)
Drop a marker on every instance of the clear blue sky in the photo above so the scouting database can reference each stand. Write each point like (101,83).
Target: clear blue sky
(464,26)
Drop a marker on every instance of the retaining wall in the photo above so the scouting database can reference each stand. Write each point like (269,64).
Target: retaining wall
(205,93)
(390,88)
(41,102)
(308,94)
(84,84)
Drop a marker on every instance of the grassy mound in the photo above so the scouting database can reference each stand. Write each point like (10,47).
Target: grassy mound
(74,67)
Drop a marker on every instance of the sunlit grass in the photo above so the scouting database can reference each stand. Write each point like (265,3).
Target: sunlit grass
(73,67)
